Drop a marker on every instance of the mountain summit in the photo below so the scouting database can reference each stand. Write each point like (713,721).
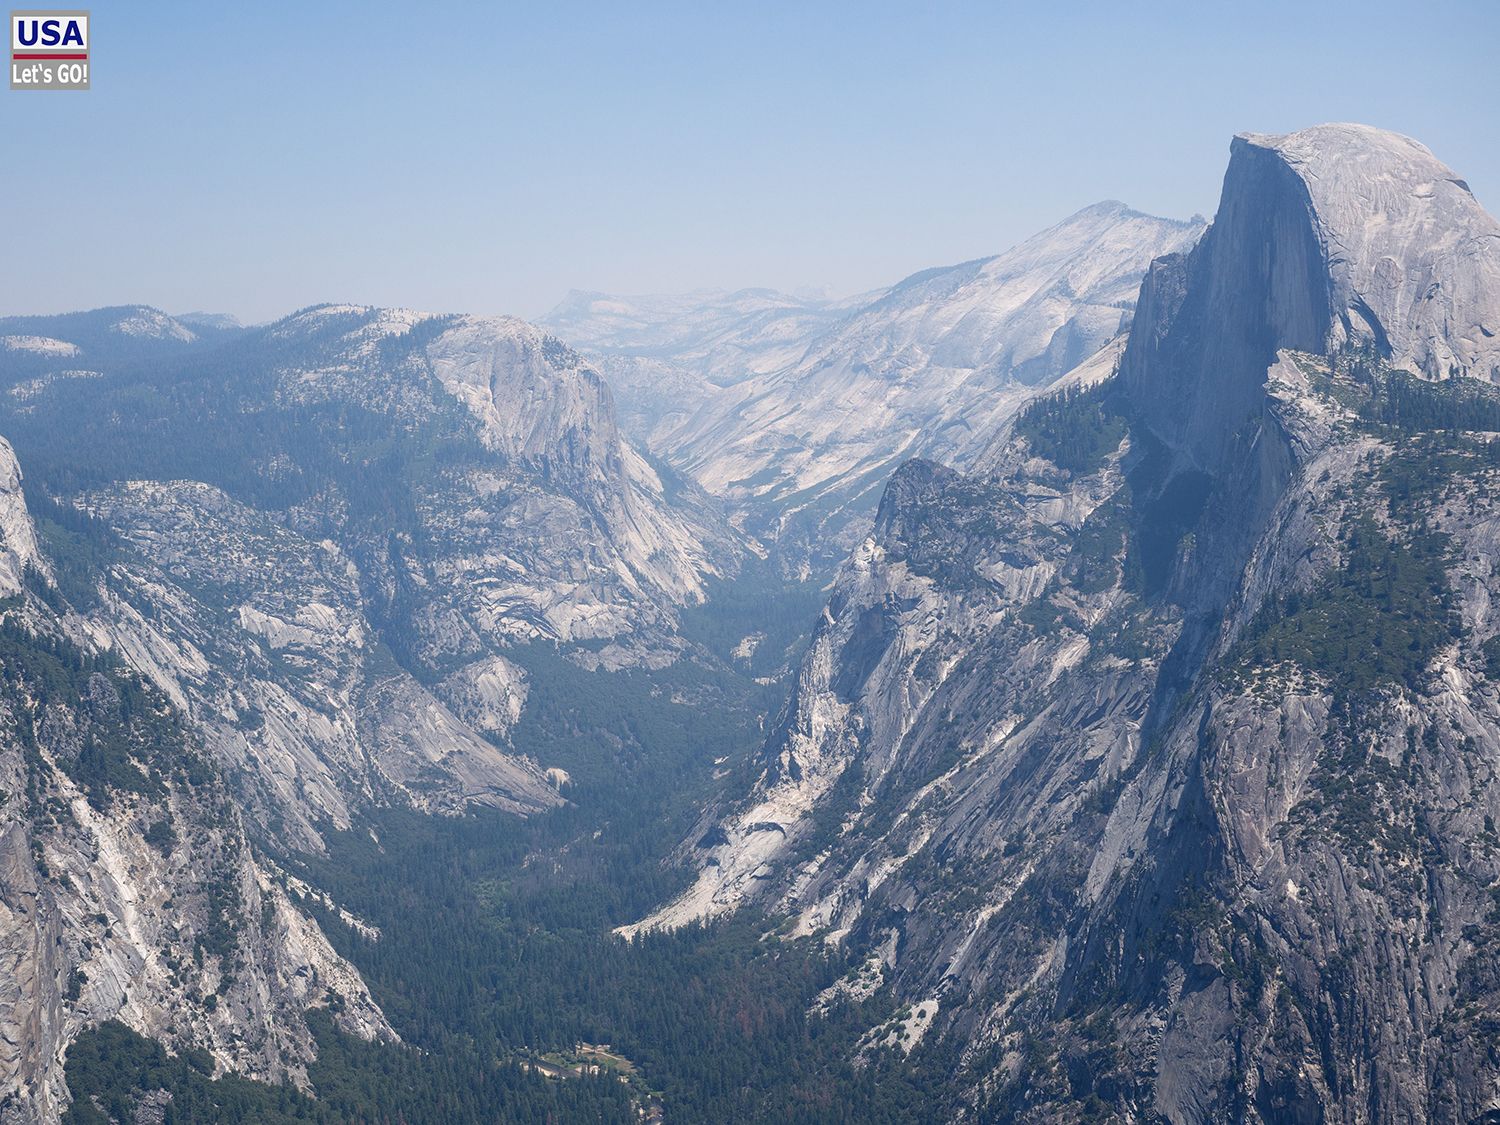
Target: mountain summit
(1151,762)
(1332,237)
(1412,259)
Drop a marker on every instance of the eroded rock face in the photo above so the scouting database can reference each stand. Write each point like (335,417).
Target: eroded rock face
(1159,754)
(128,886)
(18,549)
(260,635)
(96,924)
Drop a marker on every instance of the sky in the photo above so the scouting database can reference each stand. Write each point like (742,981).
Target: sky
(257,158)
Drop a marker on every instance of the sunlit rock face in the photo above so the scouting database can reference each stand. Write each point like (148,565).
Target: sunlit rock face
(18,549)
(129,885)
(1156,754)
(800,411)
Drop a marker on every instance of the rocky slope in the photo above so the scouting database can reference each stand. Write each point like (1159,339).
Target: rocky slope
(327,539)
(266,581)
(260,636)
(803,434)
(129,888)
(1153,761)
(667,356)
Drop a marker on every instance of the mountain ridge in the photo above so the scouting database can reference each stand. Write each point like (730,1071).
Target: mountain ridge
(1087,756)
(800,440)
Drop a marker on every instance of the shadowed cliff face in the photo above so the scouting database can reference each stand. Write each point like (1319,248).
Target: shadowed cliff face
(1210,323)
(1157,757)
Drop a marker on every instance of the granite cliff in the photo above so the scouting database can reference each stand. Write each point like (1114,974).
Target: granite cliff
(1152,761)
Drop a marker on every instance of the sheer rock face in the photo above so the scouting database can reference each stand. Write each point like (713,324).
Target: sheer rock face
(134,899)
(97,924)
(534,401)
(18,549)
(1326,238)
(1124,759)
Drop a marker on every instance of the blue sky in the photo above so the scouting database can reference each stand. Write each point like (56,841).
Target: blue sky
(255,158)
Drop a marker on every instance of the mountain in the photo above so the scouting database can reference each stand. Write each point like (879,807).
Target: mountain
(363,676)
(121,332)
(896,374)
(666,357)
(727,336)
(331,541)
(1150,762)
(261,637)
(209,322)
(256,590)
(801,426)
(426,415)
(129,885)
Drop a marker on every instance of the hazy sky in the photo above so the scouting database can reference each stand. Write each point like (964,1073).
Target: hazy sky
(258,157)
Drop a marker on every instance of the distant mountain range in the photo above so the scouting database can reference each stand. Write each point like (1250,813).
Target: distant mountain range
(797,412)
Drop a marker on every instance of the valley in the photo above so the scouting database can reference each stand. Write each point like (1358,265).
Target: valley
(1059,687)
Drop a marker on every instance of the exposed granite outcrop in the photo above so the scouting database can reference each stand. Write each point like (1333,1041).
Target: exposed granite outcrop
(1164,767)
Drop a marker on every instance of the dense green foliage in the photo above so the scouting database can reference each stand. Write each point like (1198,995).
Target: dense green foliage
(1402,400)
(110,1067)
(1377,619)
(755,602)
(1076,428)
(79,547)
(524,960)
